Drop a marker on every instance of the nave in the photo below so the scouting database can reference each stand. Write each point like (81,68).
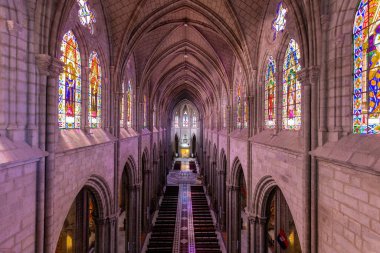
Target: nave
(184,222)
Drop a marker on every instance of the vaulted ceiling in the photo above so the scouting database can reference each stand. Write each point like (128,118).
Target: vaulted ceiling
(185,49)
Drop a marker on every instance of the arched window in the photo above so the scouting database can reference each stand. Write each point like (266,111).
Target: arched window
(270,94)
(291,95)
(69,91)
(246,115)
(86,16)
(366,95)
(122,105)
(176,121)
(238,106)
(185,118)
(129,104)
(95,92)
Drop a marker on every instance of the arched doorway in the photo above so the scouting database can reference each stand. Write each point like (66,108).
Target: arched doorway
(243,240)
(280,229)
(237,217)
(194,146)
(127,215)
(145,198)
(222,193)
(81,229)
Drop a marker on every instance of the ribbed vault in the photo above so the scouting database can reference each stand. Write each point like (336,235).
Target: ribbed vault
(186,49)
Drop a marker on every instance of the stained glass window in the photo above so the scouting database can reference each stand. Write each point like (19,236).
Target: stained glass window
(69,91)
(145,112)
(246,115)
(122,106)
(279,22)
(86,16)
(238,106)
(129,104)
(194,121)
(270,94)
(291,95)
(185,119)
(366,96)
(95,91)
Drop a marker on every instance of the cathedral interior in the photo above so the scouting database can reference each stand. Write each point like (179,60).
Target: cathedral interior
(239,126)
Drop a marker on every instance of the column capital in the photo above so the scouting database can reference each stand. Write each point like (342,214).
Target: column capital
(48,65)
(314,73)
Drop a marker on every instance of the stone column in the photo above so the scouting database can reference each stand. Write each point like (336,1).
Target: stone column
(147,199)
(138,228)
(261,246)
(49,70)
(234,220)
(324,81)
(304,78)
(55,67)
(252,234)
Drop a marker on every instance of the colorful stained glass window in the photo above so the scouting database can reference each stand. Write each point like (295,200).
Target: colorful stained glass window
(95,92)
(185,119)
(69,90)
(270,94)
(279,22)
(291,95)
(86,16)
(129,104)
(238,106)
(145,112)
(366,95)
(122,105)
(246,115)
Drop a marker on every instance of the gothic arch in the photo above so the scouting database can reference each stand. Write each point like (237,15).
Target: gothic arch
(103,197)
(261,195)
(236,172)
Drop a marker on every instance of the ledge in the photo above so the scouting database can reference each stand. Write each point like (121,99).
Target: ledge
(359,152)
(17,153)
(289,141)
(127,133)
(73,139)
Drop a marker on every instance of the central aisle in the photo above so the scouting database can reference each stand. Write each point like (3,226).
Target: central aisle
(194,229)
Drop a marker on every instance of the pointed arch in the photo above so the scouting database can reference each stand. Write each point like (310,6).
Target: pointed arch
(70,86)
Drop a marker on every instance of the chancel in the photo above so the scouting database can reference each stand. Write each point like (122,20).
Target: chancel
(172,126)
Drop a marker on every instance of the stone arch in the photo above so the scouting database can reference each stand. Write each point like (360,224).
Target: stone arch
(267,191)
(146,193)
(261,194)
(127,216)
(238,203)
(102,195)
